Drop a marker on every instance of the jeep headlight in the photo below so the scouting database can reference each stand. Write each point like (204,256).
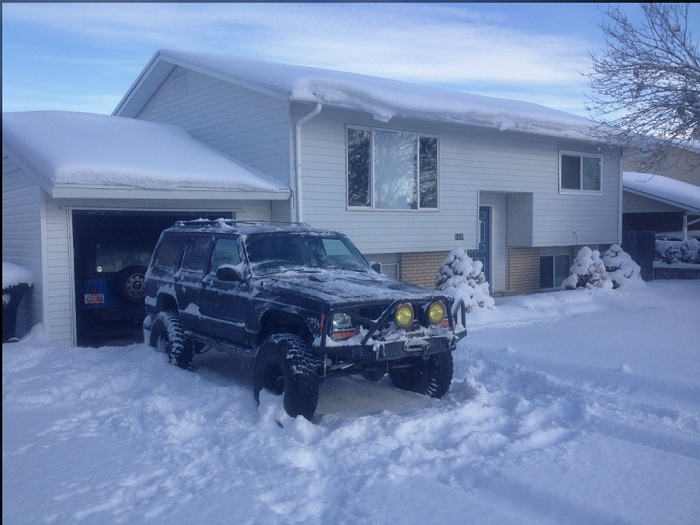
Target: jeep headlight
(436,312)
(404,315)
(342,326)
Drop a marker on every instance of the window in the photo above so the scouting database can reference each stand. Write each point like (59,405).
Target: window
(392,170)
(554,269)
(580,172)
(225,252)
(197,254)
(169,252)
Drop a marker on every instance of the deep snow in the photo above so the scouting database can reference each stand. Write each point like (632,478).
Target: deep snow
(577,407)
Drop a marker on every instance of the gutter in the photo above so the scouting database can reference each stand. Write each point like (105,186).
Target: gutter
(297,174)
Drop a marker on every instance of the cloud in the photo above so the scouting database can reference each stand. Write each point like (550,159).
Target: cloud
(438,43)
(456,45)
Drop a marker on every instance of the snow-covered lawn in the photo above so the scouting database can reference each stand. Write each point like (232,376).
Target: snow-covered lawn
(570,407)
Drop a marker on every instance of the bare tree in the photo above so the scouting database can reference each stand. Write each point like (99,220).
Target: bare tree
(646,83)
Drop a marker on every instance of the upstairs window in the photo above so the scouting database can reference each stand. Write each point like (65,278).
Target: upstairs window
(391,170)
(580,172)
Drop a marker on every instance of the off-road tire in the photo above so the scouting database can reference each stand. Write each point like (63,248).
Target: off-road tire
(431,377)
(131,284)
(168,336)
(285,365)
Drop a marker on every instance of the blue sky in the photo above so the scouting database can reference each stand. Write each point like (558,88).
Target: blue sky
(84,57)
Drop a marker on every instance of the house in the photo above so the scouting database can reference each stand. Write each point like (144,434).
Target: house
(408,172)
(666,201)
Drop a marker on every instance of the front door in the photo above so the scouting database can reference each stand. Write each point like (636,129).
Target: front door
(483,252)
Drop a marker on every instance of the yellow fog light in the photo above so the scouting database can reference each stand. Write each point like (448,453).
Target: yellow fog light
(436,312)
(404,315)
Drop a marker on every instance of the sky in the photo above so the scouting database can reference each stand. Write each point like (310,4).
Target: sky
(85,56)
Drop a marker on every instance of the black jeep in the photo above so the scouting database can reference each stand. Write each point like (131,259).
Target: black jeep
(303,304)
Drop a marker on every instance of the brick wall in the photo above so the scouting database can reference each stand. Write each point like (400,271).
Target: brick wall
(421,268)
(523,270)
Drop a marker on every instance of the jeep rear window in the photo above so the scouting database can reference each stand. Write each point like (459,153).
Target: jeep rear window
(169,252)
(197,254)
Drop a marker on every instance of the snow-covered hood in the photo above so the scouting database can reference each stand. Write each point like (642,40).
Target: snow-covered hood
(341,288)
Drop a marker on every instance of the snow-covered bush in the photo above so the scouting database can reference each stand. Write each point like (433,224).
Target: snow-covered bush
(464,279)
(667,251)
(588,271)
(690,251)
(672,252)
(623,271)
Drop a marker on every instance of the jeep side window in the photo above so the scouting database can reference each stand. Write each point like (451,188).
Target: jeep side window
(197,254)
(168,252)
(225,252)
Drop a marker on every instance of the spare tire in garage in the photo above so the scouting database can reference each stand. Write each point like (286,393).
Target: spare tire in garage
(131,284)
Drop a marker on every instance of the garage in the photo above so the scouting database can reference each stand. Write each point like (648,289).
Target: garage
(85,198)
(111,253)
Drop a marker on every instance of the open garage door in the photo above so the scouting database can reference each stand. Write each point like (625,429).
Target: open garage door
(111,252)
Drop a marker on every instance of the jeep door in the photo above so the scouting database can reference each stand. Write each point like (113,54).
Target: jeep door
(224,302)
(188,281)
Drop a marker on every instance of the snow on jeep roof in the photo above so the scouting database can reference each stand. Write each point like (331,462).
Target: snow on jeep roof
(239,226)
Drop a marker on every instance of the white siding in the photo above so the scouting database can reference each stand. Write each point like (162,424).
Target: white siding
(471,161)
(379,231)
(243,124)
(59,323)
(22,203)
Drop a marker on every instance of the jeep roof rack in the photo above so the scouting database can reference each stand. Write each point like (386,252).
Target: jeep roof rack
(236,222)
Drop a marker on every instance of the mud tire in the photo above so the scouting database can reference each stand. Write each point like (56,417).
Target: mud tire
(431,377)
(168,336)
(285,365)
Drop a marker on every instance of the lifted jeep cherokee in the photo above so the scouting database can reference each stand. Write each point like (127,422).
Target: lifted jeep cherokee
(303,304)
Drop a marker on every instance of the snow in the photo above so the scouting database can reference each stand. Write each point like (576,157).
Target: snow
(70,148)
(573,407)
(464,280)
(666,189)
(14,274)
(588,271)
(384,98)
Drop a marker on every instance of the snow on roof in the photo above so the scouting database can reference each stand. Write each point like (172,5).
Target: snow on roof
(664,189)
(381,97)
(69,148)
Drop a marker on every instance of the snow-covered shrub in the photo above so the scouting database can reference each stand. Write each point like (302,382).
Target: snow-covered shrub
(588,271)
(690,251)
(667,251)
(672,252)
(623,271)
(464,279)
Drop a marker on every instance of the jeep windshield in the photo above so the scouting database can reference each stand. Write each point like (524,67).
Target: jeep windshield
(271,253)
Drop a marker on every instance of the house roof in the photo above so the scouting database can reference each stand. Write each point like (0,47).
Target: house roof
(383,98)
(81,154)
(663,189)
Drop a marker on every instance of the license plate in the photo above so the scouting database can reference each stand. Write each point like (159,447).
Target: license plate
(94,298)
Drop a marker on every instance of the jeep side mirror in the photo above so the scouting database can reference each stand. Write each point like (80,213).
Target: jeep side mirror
(226,272)
(376,266)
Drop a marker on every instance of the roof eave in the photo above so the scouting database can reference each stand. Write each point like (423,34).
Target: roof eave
(671,202)
(72,191)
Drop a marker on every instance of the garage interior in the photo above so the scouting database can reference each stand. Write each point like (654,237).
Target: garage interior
(111,251)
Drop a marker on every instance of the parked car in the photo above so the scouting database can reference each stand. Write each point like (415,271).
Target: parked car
(113,286)
(303,304)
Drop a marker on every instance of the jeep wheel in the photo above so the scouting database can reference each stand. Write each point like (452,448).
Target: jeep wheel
(430,377)
(131,284)
(285,365)
(168,336)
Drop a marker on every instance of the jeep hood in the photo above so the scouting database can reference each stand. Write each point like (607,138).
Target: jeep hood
(340,288)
